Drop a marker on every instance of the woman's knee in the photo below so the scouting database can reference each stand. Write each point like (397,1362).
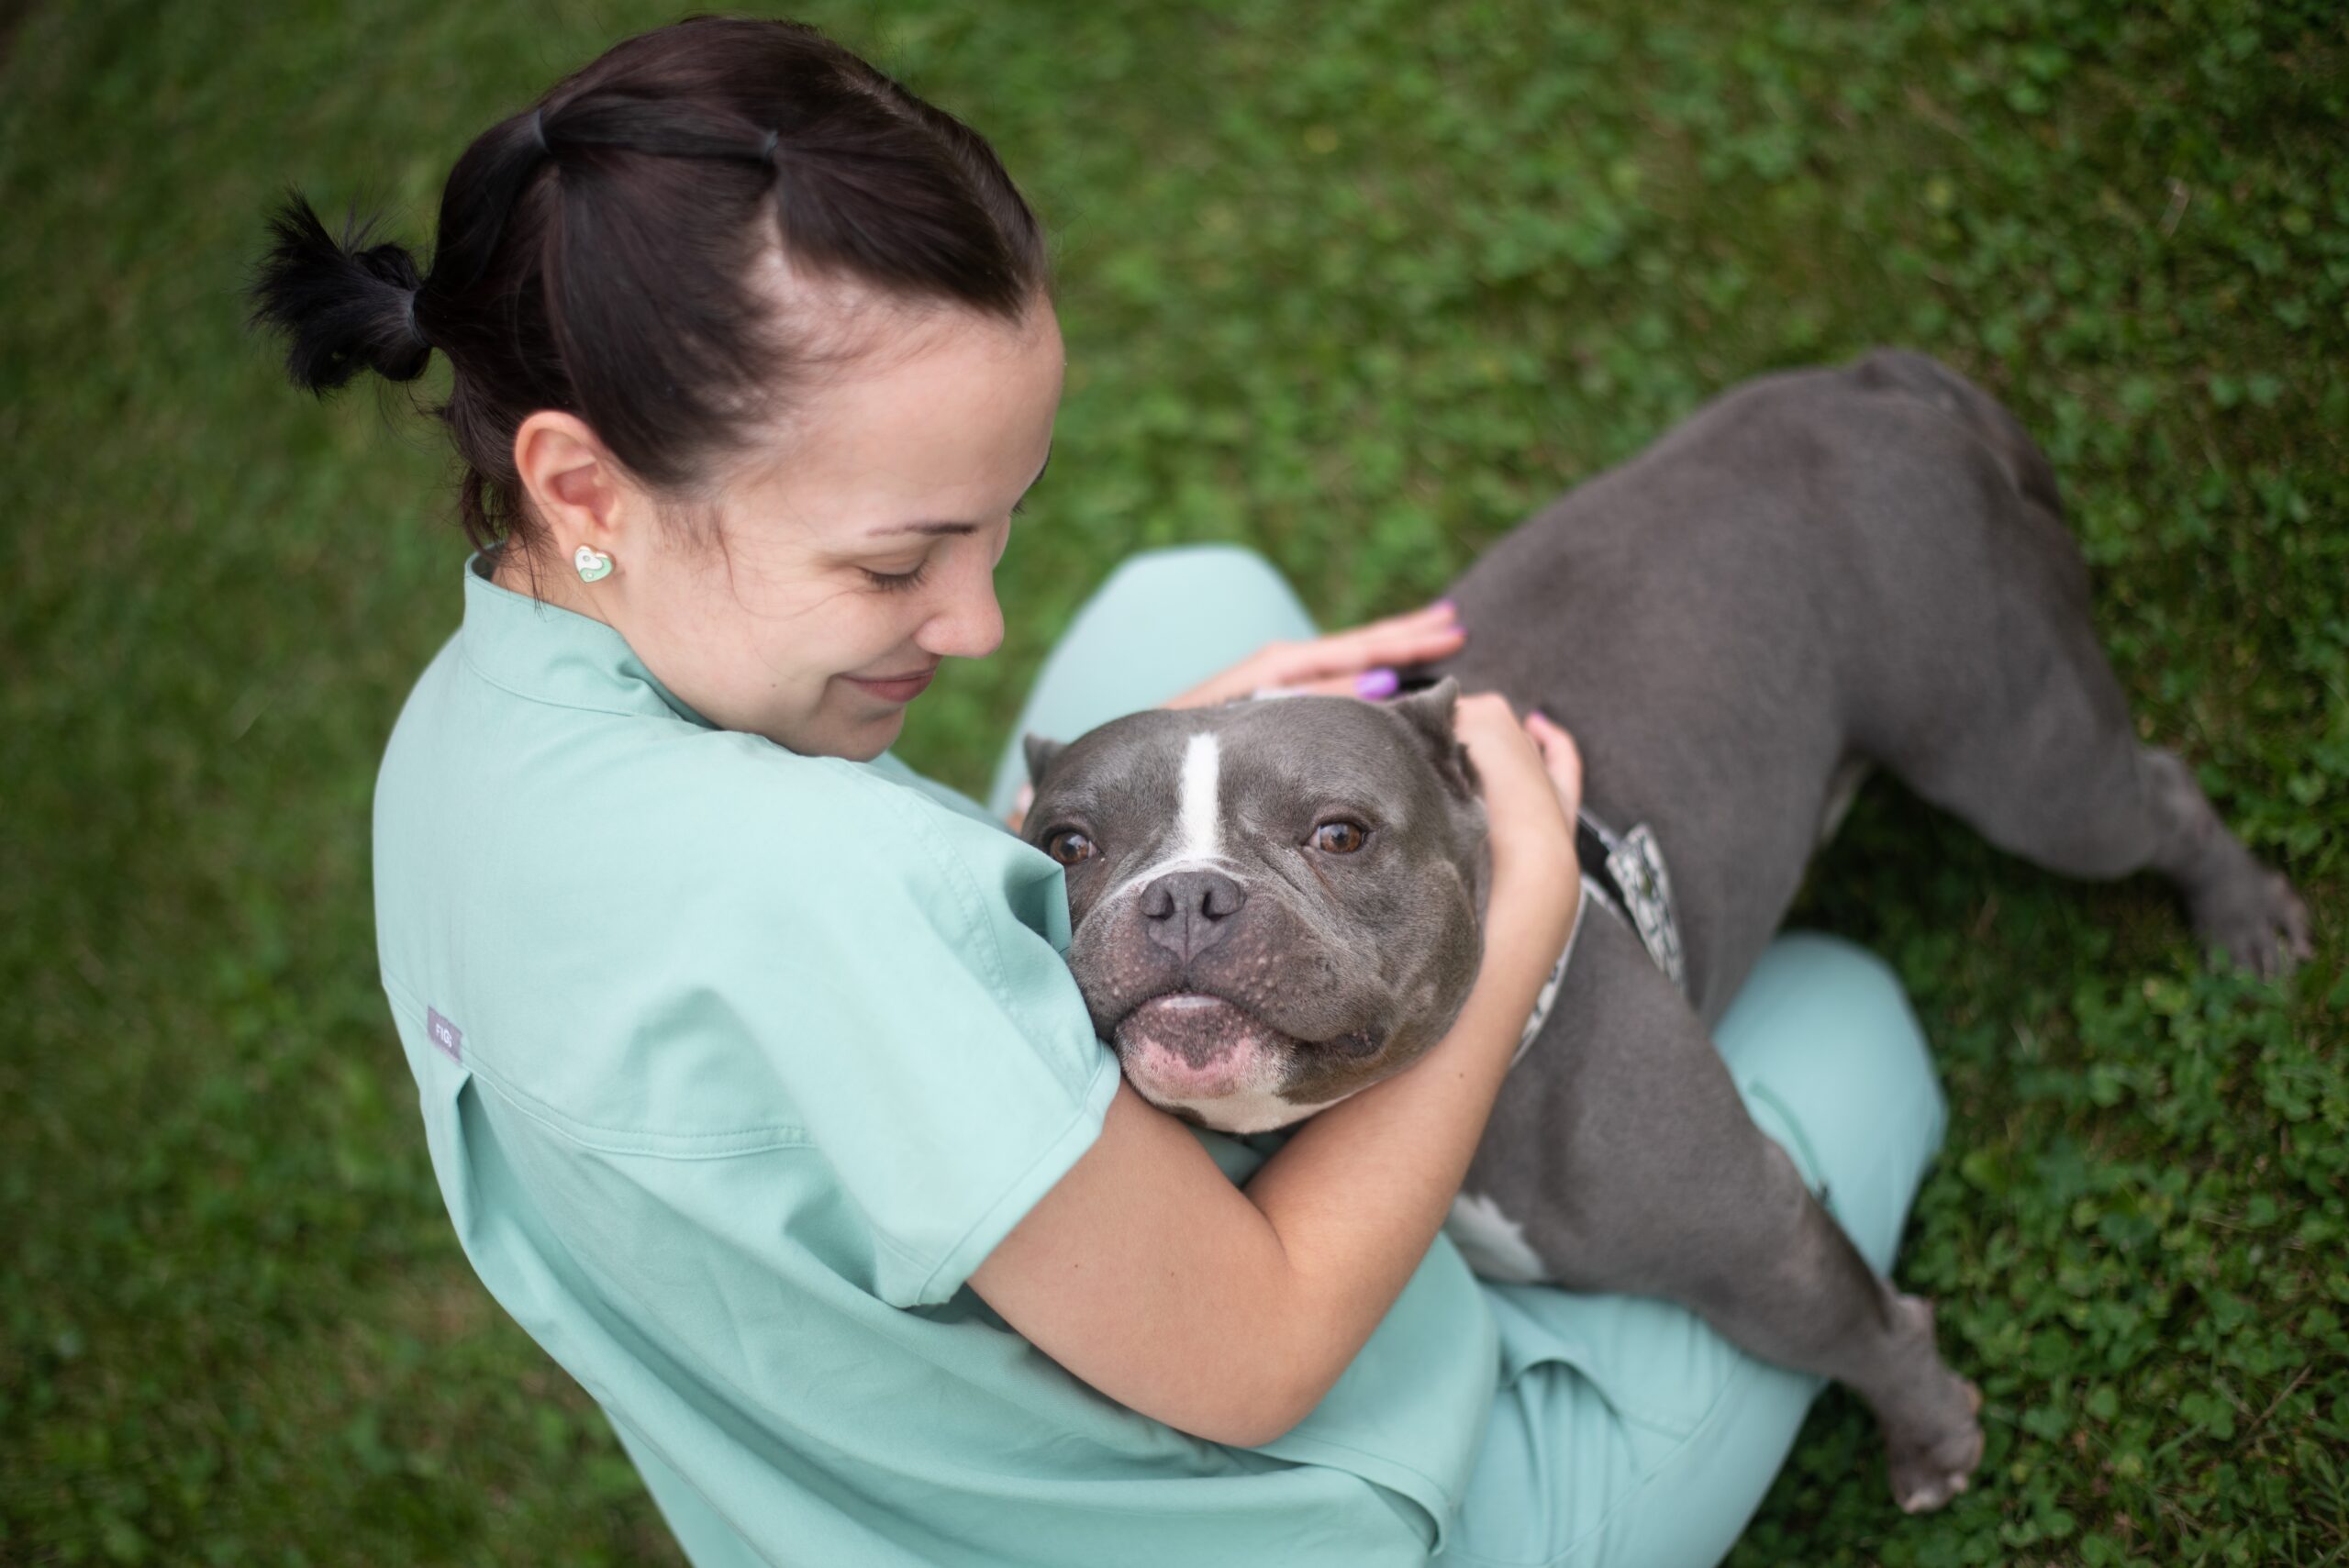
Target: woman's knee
(1230,581)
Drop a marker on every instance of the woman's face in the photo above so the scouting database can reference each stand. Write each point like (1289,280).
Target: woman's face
(857,549)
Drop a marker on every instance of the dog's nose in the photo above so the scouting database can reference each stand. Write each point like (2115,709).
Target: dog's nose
(1188,911)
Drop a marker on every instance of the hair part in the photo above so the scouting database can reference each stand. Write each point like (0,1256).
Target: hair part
(600,254)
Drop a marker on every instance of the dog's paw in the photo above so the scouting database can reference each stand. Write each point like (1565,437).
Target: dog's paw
(1926,1475)
(1931,1454)
(2259,921)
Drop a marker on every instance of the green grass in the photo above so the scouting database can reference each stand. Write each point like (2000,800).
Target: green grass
(1361,285)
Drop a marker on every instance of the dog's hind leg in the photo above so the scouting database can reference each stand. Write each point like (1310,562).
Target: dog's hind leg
(1998,704)
(1625,1156)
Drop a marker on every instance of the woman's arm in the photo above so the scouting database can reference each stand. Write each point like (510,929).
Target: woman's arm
(1228,1312)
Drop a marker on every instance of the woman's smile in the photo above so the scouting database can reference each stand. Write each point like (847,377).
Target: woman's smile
(895,688)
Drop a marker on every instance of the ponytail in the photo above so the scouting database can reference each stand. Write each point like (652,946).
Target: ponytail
(343,306)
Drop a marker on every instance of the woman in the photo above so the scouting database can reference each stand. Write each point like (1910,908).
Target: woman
(742,1050)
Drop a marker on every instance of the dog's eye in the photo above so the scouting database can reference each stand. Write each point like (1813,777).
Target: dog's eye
(1068,846)
(1339,838)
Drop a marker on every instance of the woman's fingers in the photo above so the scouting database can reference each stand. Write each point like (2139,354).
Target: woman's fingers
(1331,665)
(1439,621)
(1509,763)
(1523,799)
(1529,818)
(1412,638)
(1371,685)
(1560,756)
(1402,640)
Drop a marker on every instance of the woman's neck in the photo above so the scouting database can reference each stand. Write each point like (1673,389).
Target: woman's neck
(518,570)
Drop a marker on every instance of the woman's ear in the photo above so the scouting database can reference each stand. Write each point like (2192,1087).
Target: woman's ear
(574,485)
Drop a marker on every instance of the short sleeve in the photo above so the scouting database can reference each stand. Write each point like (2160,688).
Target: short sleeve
(902,973)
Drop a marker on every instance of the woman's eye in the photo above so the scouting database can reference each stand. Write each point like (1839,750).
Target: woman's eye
(1068,846)
(1339,838)
(895,582)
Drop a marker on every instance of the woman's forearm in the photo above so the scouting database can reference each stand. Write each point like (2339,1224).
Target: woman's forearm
(1228,1311)
(1357,1195)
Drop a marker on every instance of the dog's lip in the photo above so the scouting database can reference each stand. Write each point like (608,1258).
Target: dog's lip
(1352,1042)
(1187,1000)
(1194,1046)
(1192,1001)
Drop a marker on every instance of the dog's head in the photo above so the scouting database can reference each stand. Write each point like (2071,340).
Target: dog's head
(1273,903)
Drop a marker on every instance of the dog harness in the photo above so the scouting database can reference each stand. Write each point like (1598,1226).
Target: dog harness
(1623,873)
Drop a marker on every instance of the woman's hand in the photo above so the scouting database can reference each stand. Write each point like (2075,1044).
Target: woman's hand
(1562,759)
(1530,777)
(1360,663)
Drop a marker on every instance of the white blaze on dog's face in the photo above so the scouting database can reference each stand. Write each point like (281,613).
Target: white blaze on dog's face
(1273,903)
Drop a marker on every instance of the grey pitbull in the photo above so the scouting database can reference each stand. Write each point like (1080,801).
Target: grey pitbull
(1275,903)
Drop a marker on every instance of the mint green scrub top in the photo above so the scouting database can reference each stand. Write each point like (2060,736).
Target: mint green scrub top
(735,1063)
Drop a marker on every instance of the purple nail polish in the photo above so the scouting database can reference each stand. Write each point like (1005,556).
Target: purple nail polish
(1372,685)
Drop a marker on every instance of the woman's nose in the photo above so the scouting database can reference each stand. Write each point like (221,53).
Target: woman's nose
(969,625)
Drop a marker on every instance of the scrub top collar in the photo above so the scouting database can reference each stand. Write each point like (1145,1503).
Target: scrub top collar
(549,654)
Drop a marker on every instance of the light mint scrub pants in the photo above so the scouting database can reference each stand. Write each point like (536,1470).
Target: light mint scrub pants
(1652,1449)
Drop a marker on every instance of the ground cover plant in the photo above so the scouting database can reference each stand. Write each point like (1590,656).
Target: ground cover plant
(1359,286)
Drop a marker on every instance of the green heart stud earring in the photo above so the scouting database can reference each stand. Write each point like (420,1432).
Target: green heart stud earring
(593,564)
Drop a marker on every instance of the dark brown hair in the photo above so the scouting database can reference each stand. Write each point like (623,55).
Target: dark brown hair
(594,253)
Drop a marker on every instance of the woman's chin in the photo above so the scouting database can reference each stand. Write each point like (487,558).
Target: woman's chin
(855,738)
(872,737)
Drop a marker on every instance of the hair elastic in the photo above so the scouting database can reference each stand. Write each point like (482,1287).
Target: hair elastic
(414,329)
(767,149)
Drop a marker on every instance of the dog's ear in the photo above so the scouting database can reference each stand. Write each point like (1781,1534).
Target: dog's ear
(1429,715)
(1040,753)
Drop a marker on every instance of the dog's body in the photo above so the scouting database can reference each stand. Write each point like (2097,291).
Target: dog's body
(1819,571)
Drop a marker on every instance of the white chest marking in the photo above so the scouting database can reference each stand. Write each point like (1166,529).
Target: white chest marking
(1202,817)
(1246,1111)
(1492,1244)
(1842,790)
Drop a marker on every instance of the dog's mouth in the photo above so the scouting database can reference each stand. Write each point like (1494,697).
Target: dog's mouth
(1188,1045)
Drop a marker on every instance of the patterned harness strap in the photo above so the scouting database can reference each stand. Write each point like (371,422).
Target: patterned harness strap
(1628,869)
(1623,873)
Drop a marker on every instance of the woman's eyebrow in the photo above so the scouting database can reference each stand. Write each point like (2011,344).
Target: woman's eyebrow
(955,528)
(924,529)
